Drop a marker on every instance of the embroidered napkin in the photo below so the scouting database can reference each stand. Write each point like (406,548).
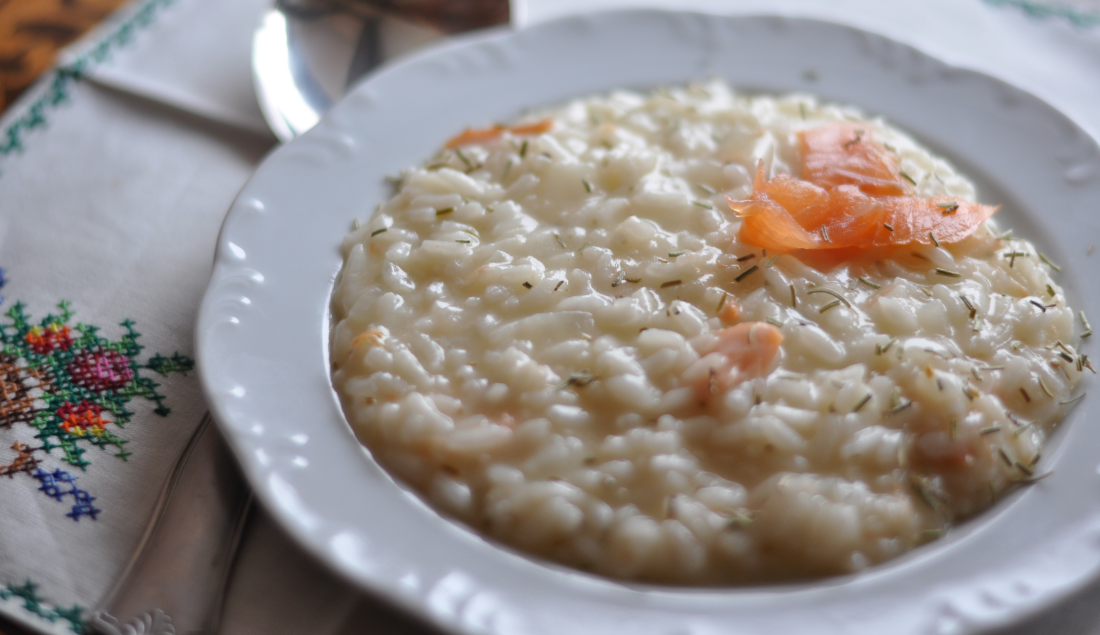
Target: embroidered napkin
(109,208)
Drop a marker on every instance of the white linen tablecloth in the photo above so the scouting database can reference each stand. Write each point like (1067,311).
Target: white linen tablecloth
(115,174)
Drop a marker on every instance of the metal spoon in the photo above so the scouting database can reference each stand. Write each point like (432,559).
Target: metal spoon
(307,53)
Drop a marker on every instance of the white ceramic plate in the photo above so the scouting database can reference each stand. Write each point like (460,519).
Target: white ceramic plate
(263,328)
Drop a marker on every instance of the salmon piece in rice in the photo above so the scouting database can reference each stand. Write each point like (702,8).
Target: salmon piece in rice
(845,199)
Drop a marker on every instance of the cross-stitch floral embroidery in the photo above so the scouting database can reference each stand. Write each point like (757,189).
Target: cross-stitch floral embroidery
(27,595)
(73,387)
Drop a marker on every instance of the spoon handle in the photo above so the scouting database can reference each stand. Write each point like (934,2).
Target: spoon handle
(449,16)
(175,581)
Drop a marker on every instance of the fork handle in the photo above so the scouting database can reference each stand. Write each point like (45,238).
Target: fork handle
(175,581)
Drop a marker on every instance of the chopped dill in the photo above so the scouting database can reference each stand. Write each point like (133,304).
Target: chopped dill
(869,283)
(671,283)
(1012,255)
(1059,344)
(676,254)
(773,321)
(746,273)
(966,301)
(702,204)
(1048,262)
(587,185)
(900,407)
(706,188)
(931,534)
(561,242)
(527,284)
(832,293)
(379,231)
(908,178)
(738,519)
(834,303)
(577,379)
(921,491)
(445,210)
(862,402)
(462,157)
(825,234)
(948,273)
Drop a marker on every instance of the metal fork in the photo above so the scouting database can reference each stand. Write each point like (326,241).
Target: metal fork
(176,579)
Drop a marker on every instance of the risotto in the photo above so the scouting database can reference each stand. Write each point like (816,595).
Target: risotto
(562,335)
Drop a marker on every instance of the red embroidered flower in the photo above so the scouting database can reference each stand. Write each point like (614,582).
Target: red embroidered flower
(101,370)
(81,418)
(44,340)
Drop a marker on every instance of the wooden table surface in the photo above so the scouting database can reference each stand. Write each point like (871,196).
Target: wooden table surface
(33,31)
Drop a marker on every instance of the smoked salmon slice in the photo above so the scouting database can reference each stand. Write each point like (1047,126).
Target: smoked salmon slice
(851,194)
(841,153)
